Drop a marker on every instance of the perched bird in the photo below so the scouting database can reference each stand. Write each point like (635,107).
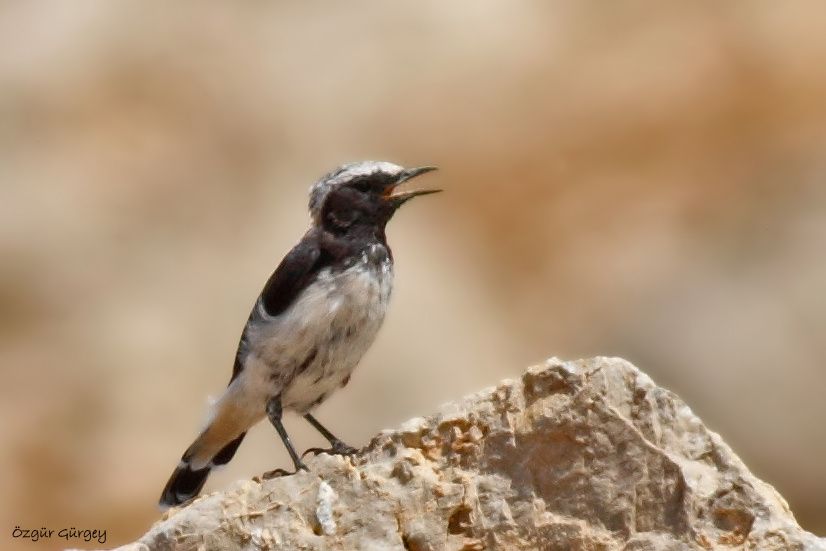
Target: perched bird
(317,315)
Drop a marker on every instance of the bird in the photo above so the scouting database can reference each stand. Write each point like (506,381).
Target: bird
(316,316)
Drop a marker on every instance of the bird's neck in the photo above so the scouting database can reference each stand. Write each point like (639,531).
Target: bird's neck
(354,242)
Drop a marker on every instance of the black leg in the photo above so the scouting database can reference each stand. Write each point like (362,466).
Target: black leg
(337,447)
(274,414)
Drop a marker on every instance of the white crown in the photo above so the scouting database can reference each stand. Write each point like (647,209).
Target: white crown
(346,173)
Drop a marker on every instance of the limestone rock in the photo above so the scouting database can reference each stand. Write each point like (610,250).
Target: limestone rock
(584,455)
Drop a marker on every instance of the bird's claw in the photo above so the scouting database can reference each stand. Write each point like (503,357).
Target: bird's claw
(277,473)
(274,474)
(339,448)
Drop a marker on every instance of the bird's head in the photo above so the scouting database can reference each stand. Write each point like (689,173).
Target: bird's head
(362,194)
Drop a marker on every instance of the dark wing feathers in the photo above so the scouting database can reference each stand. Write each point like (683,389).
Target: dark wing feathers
(292,276)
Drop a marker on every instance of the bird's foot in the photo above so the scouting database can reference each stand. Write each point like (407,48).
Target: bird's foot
(277,473)
(337,448)
(272,474)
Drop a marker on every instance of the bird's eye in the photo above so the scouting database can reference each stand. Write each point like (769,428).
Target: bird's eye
(363,187)
(342,220)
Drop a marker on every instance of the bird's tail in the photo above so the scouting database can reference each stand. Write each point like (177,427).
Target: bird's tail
(191,473)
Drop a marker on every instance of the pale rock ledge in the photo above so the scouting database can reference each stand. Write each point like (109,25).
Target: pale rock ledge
(583,455)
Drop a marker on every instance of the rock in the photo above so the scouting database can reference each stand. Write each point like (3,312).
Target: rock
(585,455)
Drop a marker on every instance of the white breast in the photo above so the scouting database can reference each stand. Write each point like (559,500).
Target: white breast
(309,350)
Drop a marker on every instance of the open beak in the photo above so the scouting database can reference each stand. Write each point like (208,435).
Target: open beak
(401,197)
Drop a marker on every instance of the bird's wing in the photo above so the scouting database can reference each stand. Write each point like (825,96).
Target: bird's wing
(291,277)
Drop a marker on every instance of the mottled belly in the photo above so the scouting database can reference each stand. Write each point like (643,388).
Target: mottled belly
(311,349)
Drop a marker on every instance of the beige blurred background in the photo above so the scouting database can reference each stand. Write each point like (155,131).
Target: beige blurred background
(645,180)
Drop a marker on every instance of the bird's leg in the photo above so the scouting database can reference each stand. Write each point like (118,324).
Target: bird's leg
(337,447)
(274,412)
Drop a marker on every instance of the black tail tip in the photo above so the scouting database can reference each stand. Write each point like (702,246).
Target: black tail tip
(183,485)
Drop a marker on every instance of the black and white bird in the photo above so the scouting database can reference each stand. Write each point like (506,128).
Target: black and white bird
(317,315)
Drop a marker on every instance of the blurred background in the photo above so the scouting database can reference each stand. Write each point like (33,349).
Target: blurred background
(643,180)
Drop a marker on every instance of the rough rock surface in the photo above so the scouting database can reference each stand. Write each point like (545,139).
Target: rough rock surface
(584,455)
